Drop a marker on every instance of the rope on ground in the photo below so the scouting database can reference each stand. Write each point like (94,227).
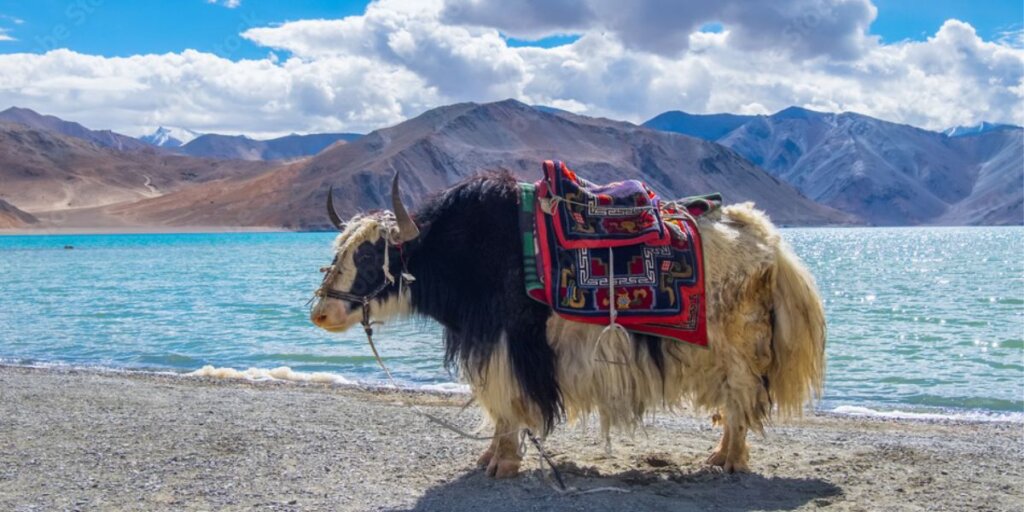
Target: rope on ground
(543,457)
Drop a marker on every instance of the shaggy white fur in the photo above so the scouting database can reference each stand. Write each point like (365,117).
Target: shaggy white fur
(750,363)
(766,328)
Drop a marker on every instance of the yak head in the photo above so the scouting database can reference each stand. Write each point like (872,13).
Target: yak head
(365,276)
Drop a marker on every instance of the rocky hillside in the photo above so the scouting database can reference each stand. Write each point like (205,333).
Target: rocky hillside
(997,191)
(449,143)
(886,173)
(43,170)
(105,138)
(11,217)
(858,169)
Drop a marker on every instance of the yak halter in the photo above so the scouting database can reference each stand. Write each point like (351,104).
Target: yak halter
(325,290)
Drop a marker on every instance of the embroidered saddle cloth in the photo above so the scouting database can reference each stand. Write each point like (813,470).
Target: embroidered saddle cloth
(587,215)
(657,286)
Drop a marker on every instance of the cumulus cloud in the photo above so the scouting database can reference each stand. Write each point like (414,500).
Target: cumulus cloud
(461,62)
(208,93)
(806,28)
(401,57)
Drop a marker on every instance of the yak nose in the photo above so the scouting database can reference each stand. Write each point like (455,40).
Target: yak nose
(318,317)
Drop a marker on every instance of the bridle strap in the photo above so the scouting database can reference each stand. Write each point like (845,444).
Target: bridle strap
(364,301)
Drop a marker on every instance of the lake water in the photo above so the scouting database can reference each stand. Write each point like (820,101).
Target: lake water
(921,320)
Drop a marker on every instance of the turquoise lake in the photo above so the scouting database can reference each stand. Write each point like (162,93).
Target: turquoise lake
(921,320)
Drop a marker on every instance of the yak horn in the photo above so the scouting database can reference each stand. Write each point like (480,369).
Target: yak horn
(407,229)
(335,219)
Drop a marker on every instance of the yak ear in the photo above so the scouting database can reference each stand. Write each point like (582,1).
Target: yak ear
(407,229)
(331,212)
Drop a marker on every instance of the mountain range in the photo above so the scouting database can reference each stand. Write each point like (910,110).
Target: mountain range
(802,167)
(46,171)
(105,138)
(184,141)
(884,173)
(444,145)
(240,147)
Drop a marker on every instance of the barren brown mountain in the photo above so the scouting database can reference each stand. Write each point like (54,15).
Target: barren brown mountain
(449,143)
(105,138)
(45,171)
(11,217)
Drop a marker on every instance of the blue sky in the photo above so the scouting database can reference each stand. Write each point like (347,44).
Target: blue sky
(269,67)
(128,27)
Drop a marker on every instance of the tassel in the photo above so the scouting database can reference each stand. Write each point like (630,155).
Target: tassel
(614,327)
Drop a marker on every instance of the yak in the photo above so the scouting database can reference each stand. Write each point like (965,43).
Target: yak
(530,369)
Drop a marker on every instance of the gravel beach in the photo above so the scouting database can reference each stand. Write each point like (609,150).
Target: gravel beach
(85,440)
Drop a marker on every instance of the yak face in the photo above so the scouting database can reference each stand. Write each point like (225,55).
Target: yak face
(361,281)
(358,270)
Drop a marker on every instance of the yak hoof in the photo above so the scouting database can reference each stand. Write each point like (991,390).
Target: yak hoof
(717,458)
(485,458)
(503,468)
(736,467)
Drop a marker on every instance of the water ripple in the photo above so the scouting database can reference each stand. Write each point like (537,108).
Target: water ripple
(917,317)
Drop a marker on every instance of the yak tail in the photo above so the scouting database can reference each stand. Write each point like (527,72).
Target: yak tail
(797,368)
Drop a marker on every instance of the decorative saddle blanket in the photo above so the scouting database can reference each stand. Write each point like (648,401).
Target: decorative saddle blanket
(586,215)
(653,286)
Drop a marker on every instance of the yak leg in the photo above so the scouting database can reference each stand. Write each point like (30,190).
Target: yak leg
(731,453)
(744,355)
(504,451)
(717,457)
(746,404)
(485,458)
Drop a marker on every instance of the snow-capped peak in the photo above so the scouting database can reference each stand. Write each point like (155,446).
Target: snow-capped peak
(170,137)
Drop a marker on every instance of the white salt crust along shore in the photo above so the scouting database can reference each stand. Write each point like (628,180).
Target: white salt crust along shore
(88,440)
(286,374)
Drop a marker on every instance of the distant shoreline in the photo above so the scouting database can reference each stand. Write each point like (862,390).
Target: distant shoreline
(87,440)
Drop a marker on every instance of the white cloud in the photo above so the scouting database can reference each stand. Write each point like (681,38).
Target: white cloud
(805,28)
(209,94)
(230,4)
(404,56)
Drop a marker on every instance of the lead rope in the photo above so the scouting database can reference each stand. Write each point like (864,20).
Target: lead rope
(558,484)
(367,324)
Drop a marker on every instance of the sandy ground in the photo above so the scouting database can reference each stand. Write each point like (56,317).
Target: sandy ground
(109,441)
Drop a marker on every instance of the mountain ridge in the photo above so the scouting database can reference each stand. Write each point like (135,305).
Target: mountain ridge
(43,171)
(778,161)
(447,144)
(887,173)
(105,138)
(240,147)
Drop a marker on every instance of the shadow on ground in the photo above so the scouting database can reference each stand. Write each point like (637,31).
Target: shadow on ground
(661,485)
